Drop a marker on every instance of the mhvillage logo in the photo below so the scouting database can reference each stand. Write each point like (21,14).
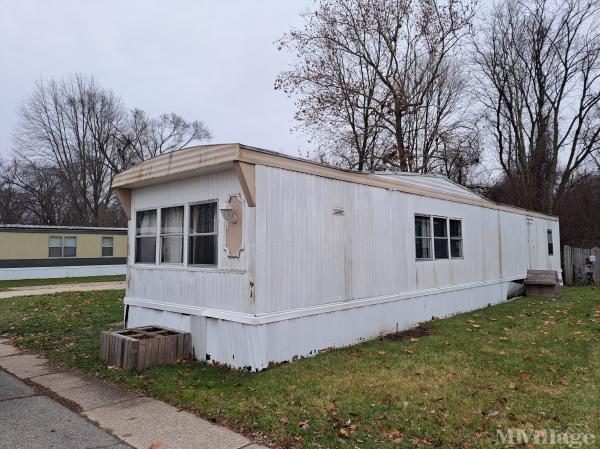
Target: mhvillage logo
(564,438)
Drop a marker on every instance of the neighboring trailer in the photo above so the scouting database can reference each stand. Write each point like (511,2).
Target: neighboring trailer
(39,252)
(311,257)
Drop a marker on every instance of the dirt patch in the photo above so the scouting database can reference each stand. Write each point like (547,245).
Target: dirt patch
(415,332)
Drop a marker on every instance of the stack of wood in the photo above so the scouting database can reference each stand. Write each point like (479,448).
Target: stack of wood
(542,283)
(139,348)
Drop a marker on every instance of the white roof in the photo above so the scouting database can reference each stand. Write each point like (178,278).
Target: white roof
(435,182)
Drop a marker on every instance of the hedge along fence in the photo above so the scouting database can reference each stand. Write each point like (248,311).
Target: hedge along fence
(574,261)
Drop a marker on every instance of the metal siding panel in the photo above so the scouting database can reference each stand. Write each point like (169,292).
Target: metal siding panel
(299,254)
(223,288)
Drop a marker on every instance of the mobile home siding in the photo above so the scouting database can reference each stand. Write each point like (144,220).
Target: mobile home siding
(326,262)
(222,287)
(307,256)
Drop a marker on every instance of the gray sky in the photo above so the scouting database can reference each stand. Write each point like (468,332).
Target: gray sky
(210,60)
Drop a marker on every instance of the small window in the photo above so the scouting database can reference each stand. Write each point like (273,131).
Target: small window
(107,246)
(69,246)
(423,237)
(550,243)
(202,248)
(456,250)
(171,235)
(440,237)
(145,236)
(54,246)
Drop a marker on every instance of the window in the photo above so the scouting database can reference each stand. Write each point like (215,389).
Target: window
(440,237)
(443,243)
(423,237)
(107,246)
(171,235)
(69,246)
(550,243)
(145,236)
(62,246)
(202,248)
(54,246)
(456,238)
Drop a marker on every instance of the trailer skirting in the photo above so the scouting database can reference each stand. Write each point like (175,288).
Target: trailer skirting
(254,342)
(8,274)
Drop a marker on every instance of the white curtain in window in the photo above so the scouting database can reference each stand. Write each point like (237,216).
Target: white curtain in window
(172,235)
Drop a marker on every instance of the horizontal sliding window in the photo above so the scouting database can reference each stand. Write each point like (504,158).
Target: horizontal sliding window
(202,248)
(438,237)
(145,236)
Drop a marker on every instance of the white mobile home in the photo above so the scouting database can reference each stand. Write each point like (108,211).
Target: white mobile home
(263,257)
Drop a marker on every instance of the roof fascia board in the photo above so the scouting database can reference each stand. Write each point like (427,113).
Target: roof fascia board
(253,156)
(174,165)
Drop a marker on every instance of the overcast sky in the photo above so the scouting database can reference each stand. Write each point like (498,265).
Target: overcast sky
(210,60)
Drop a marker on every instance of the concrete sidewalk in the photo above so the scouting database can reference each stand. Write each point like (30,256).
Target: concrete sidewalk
(30,419)
(140,421)
(60,288)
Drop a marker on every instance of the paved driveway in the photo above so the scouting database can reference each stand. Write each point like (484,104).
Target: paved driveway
(29,420)
(60,288)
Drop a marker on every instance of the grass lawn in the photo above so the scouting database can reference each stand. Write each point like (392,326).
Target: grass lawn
(529,363)
(5,285)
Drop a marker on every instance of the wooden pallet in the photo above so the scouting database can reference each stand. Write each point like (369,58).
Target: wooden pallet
(542,283)
(139,348)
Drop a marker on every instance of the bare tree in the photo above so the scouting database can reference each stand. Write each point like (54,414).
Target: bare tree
(37,194)
(539,73)
(82,134)
(378,77)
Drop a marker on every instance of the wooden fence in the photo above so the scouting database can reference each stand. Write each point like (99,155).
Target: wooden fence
(574,260)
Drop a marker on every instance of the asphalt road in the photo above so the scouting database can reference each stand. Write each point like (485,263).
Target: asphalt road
(30,420)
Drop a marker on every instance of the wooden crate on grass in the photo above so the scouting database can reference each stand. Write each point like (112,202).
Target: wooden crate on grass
(139,348)
(542,283)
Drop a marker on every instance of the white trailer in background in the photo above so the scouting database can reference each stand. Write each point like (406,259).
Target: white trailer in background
(263,257)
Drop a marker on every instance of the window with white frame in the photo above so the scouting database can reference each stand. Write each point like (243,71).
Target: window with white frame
(423,237)
(145,236)
(62,246)
(171,234)
(107,246)
(456,250)
(202,248)
(550,242)
(54,246)
(440,237)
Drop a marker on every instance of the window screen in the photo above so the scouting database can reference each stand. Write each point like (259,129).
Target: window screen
(145,236)
(69,246)
(107,246)
(550,243)
(202,248)
(456,238)
(440,237)
(423,237)
(171,235)
(54,246)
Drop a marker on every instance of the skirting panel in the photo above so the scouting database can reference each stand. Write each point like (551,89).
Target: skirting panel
(254,346)
(60,272)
